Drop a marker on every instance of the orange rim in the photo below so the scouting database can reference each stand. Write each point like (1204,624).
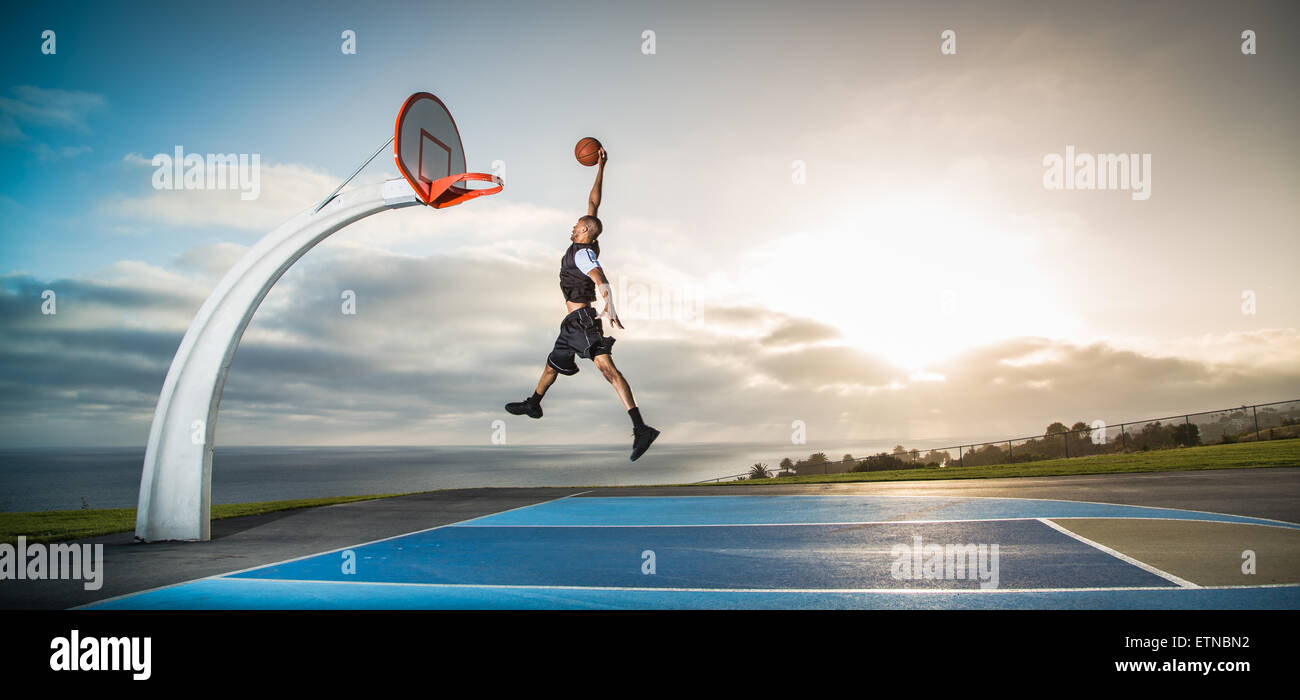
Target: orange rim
(445,192)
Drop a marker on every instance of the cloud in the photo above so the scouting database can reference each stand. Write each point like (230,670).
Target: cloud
(212,261)
(47,109)
(440,342)
(815,368)
(48,155)
(285,190)
(508,229)
(60,109)
(800,331)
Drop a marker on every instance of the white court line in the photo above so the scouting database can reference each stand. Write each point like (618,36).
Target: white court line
(653,589)
(1120,555)
(938,496)
(880,522)
(317,554)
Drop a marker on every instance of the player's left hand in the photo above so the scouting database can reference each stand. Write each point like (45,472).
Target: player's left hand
(613,319)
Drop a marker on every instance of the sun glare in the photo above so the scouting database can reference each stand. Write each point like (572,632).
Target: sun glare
(912,285)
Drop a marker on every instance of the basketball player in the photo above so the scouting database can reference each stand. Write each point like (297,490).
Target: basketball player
(581,332)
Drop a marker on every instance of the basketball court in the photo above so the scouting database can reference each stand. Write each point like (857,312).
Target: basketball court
(621,549)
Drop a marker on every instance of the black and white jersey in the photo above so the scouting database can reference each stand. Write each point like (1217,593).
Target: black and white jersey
(578,261)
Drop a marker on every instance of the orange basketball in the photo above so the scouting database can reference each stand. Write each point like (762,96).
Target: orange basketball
(587,151)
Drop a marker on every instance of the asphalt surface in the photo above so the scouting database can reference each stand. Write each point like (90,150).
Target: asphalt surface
(1260,493)
(240,543)
(1204,553)
(255,540)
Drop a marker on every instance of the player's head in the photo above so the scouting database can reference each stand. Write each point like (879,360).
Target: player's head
(586,230)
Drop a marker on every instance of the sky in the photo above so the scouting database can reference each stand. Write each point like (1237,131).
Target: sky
(813,213)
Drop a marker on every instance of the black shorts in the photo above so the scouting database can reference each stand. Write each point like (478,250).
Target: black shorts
(581,335)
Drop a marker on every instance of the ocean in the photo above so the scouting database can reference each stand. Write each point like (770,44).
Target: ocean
(59,478)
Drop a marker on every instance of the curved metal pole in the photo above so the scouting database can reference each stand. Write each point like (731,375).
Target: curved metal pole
(176,486)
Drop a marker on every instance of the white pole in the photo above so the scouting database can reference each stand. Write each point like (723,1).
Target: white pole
(176,486)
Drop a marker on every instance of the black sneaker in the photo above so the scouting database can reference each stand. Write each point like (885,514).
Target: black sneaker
(641,440)
(525,408)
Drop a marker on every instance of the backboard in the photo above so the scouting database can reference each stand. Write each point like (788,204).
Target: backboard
(429,154)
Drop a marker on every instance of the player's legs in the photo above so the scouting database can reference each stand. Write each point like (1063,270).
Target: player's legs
(560,361)
(605,363)
(548,378)
(642,434)
(532,406)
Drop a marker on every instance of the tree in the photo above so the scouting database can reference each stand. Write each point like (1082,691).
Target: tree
(1154,436)
(899,449)
(1187,434)
(787,465)
(759,471)
(1080,438)
(935,457)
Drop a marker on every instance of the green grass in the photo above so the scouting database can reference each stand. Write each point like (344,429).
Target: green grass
(60,525)
(1277,433)
(1272,453)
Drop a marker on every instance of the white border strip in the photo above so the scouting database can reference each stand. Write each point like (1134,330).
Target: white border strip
(1120,555)
(653,589)
(834,523)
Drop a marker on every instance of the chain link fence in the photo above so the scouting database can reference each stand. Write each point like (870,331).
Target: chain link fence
(1267,421)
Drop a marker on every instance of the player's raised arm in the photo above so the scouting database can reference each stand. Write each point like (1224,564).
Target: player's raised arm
(593,201)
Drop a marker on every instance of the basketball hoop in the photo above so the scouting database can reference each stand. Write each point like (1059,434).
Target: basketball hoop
(429,154)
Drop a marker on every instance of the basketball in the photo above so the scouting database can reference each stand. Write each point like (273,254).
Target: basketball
(587,151)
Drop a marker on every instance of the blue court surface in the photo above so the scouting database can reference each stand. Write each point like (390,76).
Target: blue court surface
(736,552)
